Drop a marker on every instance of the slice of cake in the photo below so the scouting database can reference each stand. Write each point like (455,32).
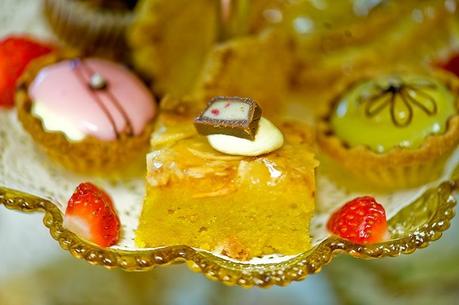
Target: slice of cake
(239,204)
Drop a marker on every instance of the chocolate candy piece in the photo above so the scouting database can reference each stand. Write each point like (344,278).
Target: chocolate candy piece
(234,116)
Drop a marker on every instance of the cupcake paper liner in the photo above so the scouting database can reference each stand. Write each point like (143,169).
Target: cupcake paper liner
(85,27)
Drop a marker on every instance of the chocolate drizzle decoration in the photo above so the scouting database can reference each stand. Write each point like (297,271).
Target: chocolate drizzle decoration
(234,116)
(410,95)
(97,84)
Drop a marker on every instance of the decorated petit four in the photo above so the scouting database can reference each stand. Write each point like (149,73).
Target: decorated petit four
(238,204)
(394,129)
(394,111)
(101,98)
(90,113)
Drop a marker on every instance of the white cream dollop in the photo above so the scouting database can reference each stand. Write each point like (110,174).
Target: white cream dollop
(268,139)
(54,122)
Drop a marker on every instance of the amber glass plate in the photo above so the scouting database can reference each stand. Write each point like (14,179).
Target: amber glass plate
(413,227)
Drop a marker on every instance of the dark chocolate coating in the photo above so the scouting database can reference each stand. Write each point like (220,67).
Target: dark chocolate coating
(246,128)
(113,4)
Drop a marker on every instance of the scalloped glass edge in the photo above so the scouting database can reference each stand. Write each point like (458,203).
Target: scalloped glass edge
(423,228)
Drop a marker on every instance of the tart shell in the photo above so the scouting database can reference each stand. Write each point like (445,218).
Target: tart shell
(89,155)
(398,167)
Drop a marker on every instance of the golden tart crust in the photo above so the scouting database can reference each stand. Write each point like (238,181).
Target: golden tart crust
(90,155)
(398,167)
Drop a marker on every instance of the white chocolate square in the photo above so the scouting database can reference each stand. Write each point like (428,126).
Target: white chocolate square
(232,110)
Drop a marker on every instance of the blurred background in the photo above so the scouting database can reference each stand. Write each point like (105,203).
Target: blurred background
(35,271)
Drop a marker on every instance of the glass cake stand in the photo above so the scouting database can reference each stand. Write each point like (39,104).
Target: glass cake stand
(414,227)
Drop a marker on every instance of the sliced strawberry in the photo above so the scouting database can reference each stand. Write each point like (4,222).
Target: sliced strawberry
(90,214)
(15,54)
(451,64)
(361,220)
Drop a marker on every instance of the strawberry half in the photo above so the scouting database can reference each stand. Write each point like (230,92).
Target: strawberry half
(90,214)
(451,64)
(361,220)
(15,54)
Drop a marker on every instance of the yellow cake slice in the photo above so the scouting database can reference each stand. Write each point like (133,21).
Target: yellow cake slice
(238,206)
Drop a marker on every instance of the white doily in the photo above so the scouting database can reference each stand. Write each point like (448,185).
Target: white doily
(25,168)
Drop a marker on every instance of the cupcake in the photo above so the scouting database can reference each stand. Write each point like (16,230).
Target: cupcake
(393,130)
(90,114)
(92,25)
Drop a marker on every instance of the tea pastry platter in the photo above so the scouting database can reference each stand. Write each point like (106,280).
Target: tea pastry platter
(29,182)
(32,183)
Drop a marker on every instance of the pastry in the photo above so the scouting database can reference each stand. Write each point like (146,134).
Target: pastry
(393,129)
(257,66)
(170,40)
(91,25)
(334,39)
(90,114)
(225,193)
(183,51)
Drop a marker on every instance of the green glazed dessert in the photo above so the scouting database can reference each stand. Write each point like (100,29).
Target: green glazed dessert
(393,129)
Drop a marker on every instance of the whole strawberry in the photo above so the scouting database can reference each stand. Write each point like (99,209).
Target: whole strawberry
(16,52)
(90,214)
(361,220)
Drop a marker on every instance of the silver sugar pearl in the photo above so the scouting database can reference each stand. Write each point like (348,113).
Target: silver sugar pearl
(97,82)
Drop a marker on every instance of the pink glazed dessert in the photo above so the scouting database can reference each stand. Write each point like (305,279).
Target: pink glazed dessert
(89,114)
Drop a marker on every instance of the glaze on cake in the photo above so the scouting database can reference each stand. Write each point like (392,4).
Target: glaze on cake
(393,111)
(123,104)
